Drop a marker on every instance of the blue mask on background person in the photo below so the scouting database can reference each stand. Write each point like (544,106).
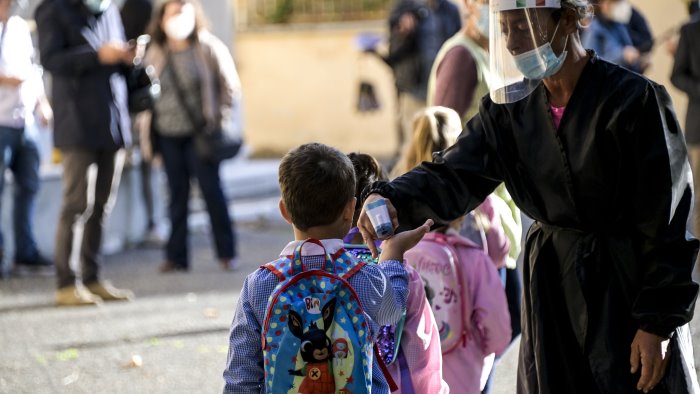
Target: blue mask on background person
(483,23)
(541,62)
(97,6)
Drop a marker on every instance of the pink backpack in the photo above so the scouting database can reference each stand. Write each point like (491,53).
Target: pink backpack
(436,260)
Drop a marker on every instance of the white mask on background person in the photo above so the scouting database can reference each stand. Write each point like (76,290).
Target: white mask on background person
(621,12)
(483,23)
(97,6)
(181,26)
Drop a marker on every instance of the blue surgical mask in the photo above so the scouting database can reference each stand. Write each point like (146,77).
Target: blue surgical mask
(483,22)
(97,6)
(541,62)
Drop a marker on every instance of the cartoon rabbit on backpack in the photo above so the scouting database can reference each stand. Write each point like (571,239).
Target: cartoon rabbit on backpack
(315,351)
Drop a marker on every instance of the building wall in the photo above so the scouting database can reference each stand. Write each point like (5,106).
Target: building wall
(300,85)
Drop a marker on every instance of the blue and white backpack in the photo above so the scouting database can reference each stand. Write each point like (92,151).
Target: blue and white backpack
(316,337)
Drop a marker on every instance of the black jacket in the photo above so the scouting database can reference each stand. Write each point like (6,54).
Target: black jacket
(610,194)
(88,98)
(686,77)
(411,55)
(136,14)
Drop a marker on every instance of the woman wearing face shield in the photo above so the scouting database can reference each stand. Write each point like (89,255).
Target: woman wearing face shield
(594,154)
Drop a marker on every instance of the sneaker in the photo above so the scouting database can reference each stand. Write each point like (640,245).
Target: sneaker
(74,296)
(107,292)
(170,266)
(229,264)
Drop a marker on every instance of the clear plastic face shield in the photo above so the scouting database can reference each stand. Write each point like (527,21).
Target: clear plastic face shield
(521,54)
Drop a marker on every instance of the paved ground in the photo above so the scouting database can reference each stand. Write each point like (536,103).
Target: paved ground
(177,327)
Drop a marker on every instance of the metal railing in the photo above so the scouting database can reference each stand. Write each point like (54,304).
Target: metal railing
(267,12)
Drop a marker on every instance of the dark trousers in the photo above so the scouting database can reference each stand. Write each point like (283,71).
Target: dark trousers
(21,156)
(88,196)
(181,165)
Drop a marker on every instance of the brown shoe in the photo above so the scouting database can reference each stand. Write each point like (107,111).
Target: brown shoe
(170,266)
(74,296)
(107,292)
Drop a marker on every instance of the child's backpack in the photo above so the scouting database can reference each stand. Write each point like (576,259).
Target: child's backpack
(389,337)
(315,337)
(435,259)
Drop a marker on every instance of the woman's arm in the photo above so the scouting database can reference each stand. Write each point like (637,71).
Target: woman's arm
(457,181)
(661,202)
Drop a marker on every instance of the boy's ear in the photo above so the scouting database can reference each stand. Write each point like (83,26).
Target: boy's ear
(349,210)
(283,210)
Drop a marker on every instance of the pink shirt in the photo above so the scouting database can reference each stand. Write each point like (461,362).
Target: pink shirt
(557,114)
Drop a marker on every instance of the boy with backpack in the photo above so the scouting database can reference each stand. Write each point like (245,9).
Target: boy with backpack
(305,322)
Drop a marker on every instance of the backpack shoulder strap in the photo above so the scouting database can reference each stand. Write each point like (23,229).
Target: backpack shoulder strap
(347,265)
(280,267)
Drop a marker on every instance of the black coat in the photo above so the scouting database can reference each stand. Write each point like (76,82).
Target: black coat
(686,77)
(136,14)
(610,194)
(411,55)
(87,113)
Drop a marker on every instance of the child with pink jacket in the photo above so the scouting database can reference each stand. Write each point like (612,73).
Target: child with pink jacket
(485,309)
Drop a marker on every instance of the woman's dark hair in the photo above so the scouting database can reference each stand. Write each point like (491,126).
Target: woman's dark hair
(156,31)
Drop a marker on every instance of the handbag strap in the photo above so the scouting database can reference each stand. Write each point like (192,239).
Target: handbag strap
(180,94)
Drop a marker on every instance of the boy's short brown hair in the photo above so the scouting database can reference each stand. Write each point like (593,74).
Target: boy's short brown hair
(316,182)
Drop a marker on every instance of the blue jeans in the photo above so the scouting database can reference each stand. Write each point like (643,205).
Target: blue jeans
(21,155)
(182,164)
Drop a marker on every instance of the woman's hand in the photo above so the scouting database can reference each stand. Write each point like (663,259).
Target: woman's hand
(650,351)
(365,225)
(395,247)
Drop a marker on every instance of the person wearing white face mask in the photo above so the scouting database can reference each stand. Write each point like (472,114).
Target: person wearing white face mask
(608,35)
(593,152)
(199,89)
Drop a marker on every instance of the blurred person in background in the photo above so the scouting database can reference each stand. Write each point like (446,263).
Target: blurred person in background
(199,89)
(417,29)
(608,36)
(642,38)
(21,98)
(82,44)
(686,77)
